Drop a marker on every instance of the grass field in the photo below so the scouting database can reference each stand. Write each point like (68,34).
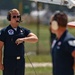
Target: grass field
(38,58)
(39,71)
(44,40)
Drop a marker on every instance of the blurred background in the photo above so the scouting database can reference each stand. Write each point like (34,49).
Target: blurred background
(36,17)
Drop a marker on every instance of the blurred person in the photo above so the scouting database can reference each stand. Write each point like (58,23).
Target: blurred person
(63,47)
(12,38)
(52,35)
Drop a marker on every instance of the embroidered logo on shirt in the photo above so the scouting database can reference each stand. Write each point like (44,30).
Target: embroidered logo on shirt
(58,46)
(21,31)
(71,42)
(59,43)
(10,32)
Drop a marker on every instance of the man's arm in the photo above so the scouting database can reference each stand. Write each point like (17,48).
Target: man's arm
(1,46)
(73,54)
(32,38)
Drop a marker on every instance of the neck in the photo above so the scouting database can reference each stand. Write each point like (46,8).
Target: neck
(14,25)
(60,32)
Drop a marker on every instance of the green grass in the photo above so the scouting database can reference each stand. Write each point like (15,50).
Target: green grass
(0,72)
(39,71)
(43,42)
(72,31)
(38,58)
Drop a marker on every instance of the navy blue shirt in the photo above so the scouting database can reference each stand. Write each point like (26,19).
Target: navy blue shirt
(61,54)
(8,35)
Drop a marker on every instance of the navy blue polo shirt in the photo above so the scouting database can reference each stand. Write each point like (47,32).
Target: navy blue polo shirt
(61,54)
(8,35)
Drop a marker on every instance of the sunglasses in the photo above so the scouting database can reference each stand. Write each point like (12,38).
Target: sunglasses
(16,17)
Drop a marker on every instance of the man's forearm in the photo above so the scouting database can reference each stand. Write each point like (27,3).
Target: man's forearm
(0,56)
(31,39)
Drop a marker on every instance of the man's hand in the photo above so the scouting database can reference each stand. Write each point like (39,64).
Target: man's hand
(19,40)
(1,67)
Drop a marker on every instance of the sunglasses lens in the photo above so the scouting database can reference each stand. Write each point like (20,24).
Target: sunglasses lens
(16,16)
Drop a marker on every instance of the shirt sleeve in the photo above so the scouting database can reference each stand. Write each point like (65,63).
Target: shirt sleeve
(26,32)
(2,36)
(70,45)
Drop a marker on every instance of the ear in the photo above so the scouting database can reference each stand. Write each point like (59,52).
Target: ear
(54,25)
(8,17)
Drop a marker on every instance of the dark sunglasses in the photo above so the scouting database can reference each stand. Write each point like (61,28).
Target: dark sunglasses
(16,16)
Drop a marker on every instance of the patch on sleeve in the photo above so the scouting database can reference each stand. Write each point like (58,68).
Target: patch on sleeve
(71,42)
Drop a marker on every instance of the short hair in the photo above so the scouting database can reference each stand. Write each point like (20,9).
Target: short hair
(12,11)
(61,18)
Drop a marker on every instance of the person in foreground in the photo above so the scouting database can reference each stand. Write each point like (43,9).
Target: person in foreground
(12,38)
(63,47)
